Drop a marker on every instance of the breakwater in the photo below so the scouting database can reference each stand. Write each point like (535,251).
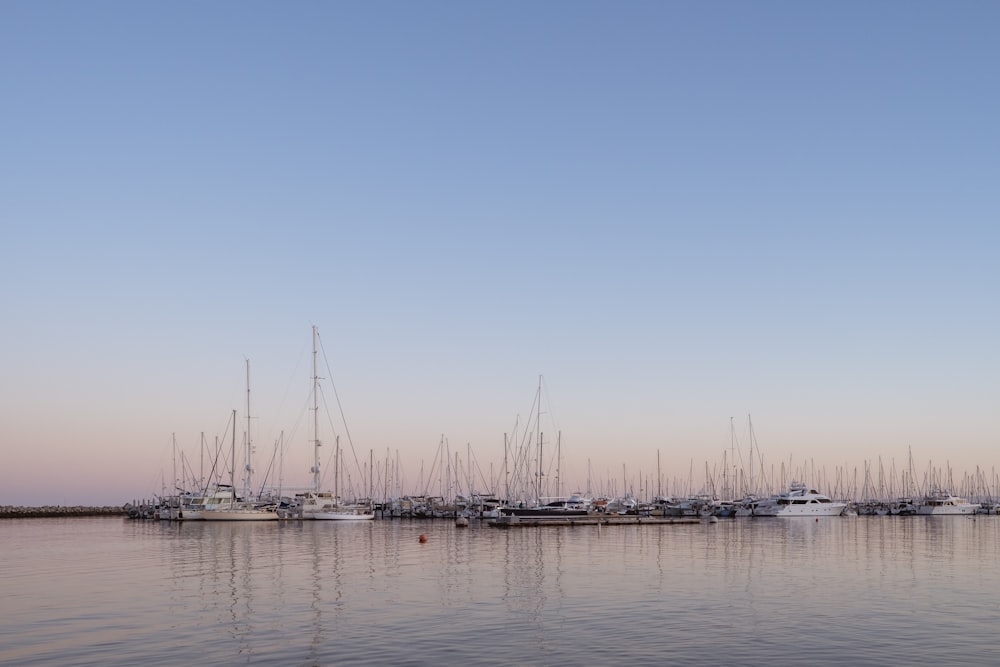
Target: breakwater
(12,512)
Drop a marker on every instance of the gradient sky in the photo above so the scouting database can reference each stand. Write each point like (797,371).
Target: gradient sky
(677,213)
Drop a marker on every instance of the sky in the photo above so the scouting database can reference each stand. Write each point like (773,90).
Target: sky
(684,217)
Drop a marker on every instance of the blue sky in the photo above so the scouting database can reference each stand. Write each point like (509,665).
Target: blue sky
(678,213)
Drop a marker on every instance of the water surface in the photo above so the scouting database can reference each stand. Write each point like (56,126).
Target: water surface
(839,591)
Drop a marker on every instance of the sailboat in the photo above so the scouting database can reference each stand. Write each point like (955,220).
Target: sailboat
(241,510)
(540,508)
(321,505)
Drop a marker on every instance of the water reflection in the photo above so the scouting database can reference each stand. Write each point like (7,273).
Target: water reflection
(838,591)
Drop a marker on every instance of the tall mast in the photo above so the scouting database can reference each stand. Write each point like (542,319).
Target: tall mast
(173,438)
(750,423)
(538,442)
(506,471)
(559,463)
(247,483)
(232,464)
(659,476)
(316,443)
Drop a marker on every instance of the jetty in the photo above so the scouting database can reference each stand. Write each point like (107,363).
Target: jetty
(51,511)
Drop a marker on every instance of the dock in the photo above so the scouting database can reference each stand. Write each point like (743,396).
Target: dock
(589,520)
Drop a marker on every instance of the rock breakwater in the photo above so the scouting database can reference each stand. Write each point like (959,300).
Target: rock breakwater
(13,512)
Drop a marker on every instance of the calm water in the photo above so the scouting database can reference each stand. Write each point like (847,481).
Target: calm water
(841,591)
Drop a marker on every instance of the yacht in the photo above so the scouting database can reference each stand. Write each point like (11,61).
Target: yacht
(576,505)
(196,506)
(940,501)
(346,512)
(799,500)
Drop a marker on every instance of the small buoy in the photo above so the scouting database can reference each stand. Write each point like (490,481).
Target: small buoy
(423,538)
(462,522)
(817,519)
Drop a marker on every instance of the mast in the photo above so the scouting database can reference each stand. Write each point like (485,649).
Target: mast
(559,491)
(538,442)
(232,466)
(202,485)
(752,489)
(506,471)
(316,443)
(173,437)
(248,482)
(659,476)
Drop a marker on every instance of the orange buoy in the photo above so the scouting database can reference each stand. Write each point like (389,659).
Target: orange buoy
(423,538)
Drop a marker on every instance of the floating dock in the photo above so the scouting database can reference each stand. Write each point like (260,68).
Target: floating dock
(588,520)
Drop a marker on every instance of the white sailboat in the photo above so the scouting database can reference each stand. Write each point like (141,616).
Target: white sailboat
(539,505)
(339,510)
(241,510)
(317,504)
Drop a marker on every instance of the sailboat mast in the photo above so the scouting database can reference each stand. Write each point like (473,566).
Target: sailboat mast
(538,443)
(559,463)
(315,468)
(750,424)
(232,464)
(247,484)
(659,476)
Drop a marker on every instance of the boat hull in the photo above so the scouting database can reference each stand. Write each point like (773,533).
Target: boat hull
(825,509)
(343,516)
(799,501)
(949,510)
(239,515)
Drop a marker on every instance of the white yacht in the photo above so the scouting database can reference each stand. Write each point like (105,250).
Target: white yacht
(940,501)
(195,506)
(347,512)
(799,500)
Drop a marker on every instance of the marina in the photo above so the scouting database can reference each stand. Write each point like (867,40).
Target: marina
(526,487)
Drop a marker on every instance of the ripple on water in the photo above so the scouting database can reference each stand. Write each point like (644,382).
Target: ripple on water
(840,591)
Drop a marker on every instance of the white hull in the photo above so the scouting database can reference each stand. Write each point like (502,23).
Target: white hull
(344,515)
(943,510)
(826,509)
(237,514)
(941,502)
(799,501)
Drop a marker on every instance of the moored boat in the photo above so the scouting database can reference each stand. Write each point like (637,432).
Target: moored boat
(942,502)
(351,512)
(799,500)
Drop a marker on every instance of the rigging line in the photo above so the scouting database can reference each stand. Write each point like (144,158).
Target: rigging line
(293,433)
(548,403)
(218,452)
(357,464)
(329,374)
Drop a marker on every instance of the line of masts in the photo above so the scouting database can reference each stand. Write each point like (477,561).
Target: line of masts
(458,473)
(525,473)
